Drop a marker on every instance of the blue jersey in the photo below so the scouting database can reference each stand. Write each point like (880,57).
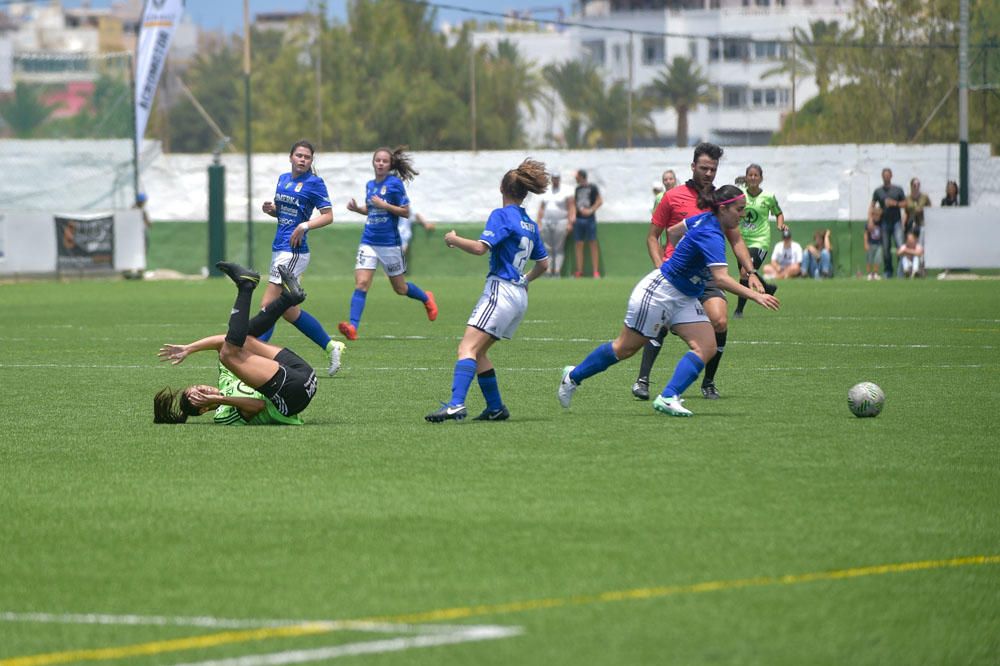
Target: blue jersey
(295,200)
(701,247)
(382,227)
(513,239)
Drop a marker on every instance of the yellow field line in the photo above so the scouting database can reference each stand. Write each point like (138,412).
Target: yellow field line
(462,612)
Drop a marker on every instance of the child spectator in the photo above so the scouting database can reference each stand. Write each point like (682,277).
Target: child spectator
(873,249)
(911,257)
(950,194)
(915,204)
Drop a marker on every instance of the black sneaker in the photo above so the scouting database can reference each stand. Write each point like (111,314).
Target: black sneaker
(447,413)
(737,314)
(501,414)
(641,389)
(290,284)
(239,274)
(710,392)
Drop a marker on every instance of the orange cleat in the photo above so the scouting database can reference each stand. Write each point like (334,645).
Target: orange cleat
(348,330)
(431,306)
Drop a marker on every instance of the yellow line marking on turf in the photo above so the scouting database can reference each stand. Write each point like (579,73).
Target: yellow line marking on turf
(461,612)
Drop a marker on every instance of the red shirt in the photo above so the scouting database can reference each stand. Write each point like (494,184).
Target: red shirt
(677,205)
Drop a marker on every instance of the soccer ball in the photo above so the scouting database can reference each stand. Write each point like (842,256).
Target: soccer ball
(865,399)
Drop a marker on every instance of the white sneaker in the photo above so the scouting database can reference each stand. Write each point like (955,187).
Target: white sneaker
(671,405)
(335,354)
(566,387)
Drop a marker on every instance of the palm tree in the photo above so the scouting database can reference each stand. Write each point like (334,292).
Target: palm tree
(814,54)
(578,85)
(681,86)
(608,118)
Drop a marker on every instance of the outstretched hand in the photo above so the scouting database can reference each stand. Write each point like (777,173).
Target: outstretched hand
(173,353)
(768,301)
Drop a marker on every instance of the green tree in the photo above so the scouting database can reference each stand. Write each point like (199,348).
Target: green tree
(683,87)
(815,54)
(577,83)
(25,113)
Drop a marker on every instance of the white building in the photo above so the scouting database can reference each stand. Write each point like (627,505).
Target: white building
(716,34)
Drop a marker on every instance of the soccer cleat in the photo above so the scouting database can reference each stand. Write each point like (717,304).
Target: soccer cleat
(488,414)
(239,274)
(290,284)
(431,306)
(348,329)
(447,413)
(567,387)
(671,406)
(335,355)
(641,388)
(710,392)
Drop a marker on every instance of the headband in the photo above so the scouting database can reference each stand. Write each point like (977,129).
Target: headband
(723,203)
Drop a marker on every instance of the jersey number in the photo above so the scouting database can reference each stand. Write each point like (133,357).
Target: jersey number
(521,258)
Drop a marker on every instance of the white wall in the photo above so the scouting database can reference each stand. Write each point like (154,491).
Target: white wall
(811,182)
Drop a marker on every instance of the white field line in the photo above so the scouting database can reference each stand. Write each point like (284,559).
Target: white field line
(466,635)
(209,622)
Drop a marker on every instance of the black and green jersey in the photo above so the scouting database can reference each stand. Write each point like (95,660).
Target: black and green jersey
(232,386)
(756,223)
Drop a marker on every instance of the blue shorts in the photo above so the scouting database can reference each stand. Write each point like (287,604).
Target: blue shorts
(585,229)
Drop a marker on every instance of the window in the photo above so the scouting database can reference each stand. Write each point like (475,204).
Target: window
(730,49)
(769,98)
(734,97)
(594,49)
(652,51)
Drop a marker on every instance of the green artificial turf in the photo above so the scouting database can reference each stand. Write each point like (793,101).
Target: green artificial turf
(368,511)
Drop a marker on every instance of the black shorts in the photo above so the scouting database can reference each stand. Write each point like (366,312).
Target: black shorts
(757,254)
(712,291)
(293,386)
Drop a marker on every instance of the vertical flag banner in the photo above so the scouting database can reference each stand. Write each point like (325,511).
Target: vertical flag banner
(159,20)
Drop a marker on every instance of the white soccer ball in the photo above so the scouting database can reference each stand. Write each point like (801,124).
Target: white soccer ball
(865,399)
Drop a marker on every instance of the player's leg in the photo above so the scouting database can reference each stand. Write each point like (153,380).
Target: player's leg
(364,273)
(701,340)
(405,288)
(253,369)
(474,343)
(650,351)
(715,308)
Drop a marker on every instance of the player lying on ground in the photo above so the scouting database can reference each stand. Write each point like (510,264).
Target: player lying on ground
(668,296)
(284,384)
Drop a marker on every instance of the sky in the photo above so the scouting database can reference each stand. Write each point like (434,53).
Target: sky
(228,14)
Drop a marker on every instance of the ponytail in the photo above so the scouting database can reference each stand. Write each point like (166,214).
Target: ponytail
(529,176)
(399,162)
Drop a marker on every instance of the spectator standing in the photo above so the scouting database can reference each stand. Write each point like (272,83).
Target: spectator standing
(950,194)
(588,200)
(556,215)
(916,202)
(669,179)
(817,260)
(890,200)
(786,258)
(911,256)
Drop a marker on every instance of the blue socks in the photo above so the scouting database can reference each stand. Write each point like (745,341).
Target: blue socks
(312,329)
(266,335)
(415,292)
(491,390)
(465,370)
(597,361)
(357,306)
(687,370)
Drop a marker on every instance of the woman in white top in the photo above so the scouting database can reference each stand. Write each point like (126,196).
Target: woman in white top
(556,215)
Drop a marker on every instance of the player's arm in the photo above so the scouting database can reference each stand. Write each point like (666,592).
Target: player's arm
(355,207)
(177,353)
(324,218)
(724,281)
(781,221)
(269,208)
(398,211)
(476,247)
(538,270)
(247,407)
(743,257)
(653,242)
(598,202)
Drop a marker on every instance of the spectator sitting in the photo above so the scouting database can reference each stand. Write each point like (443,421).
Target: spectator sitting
(817,260)
(911,257)
(950,194)
(786,258)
